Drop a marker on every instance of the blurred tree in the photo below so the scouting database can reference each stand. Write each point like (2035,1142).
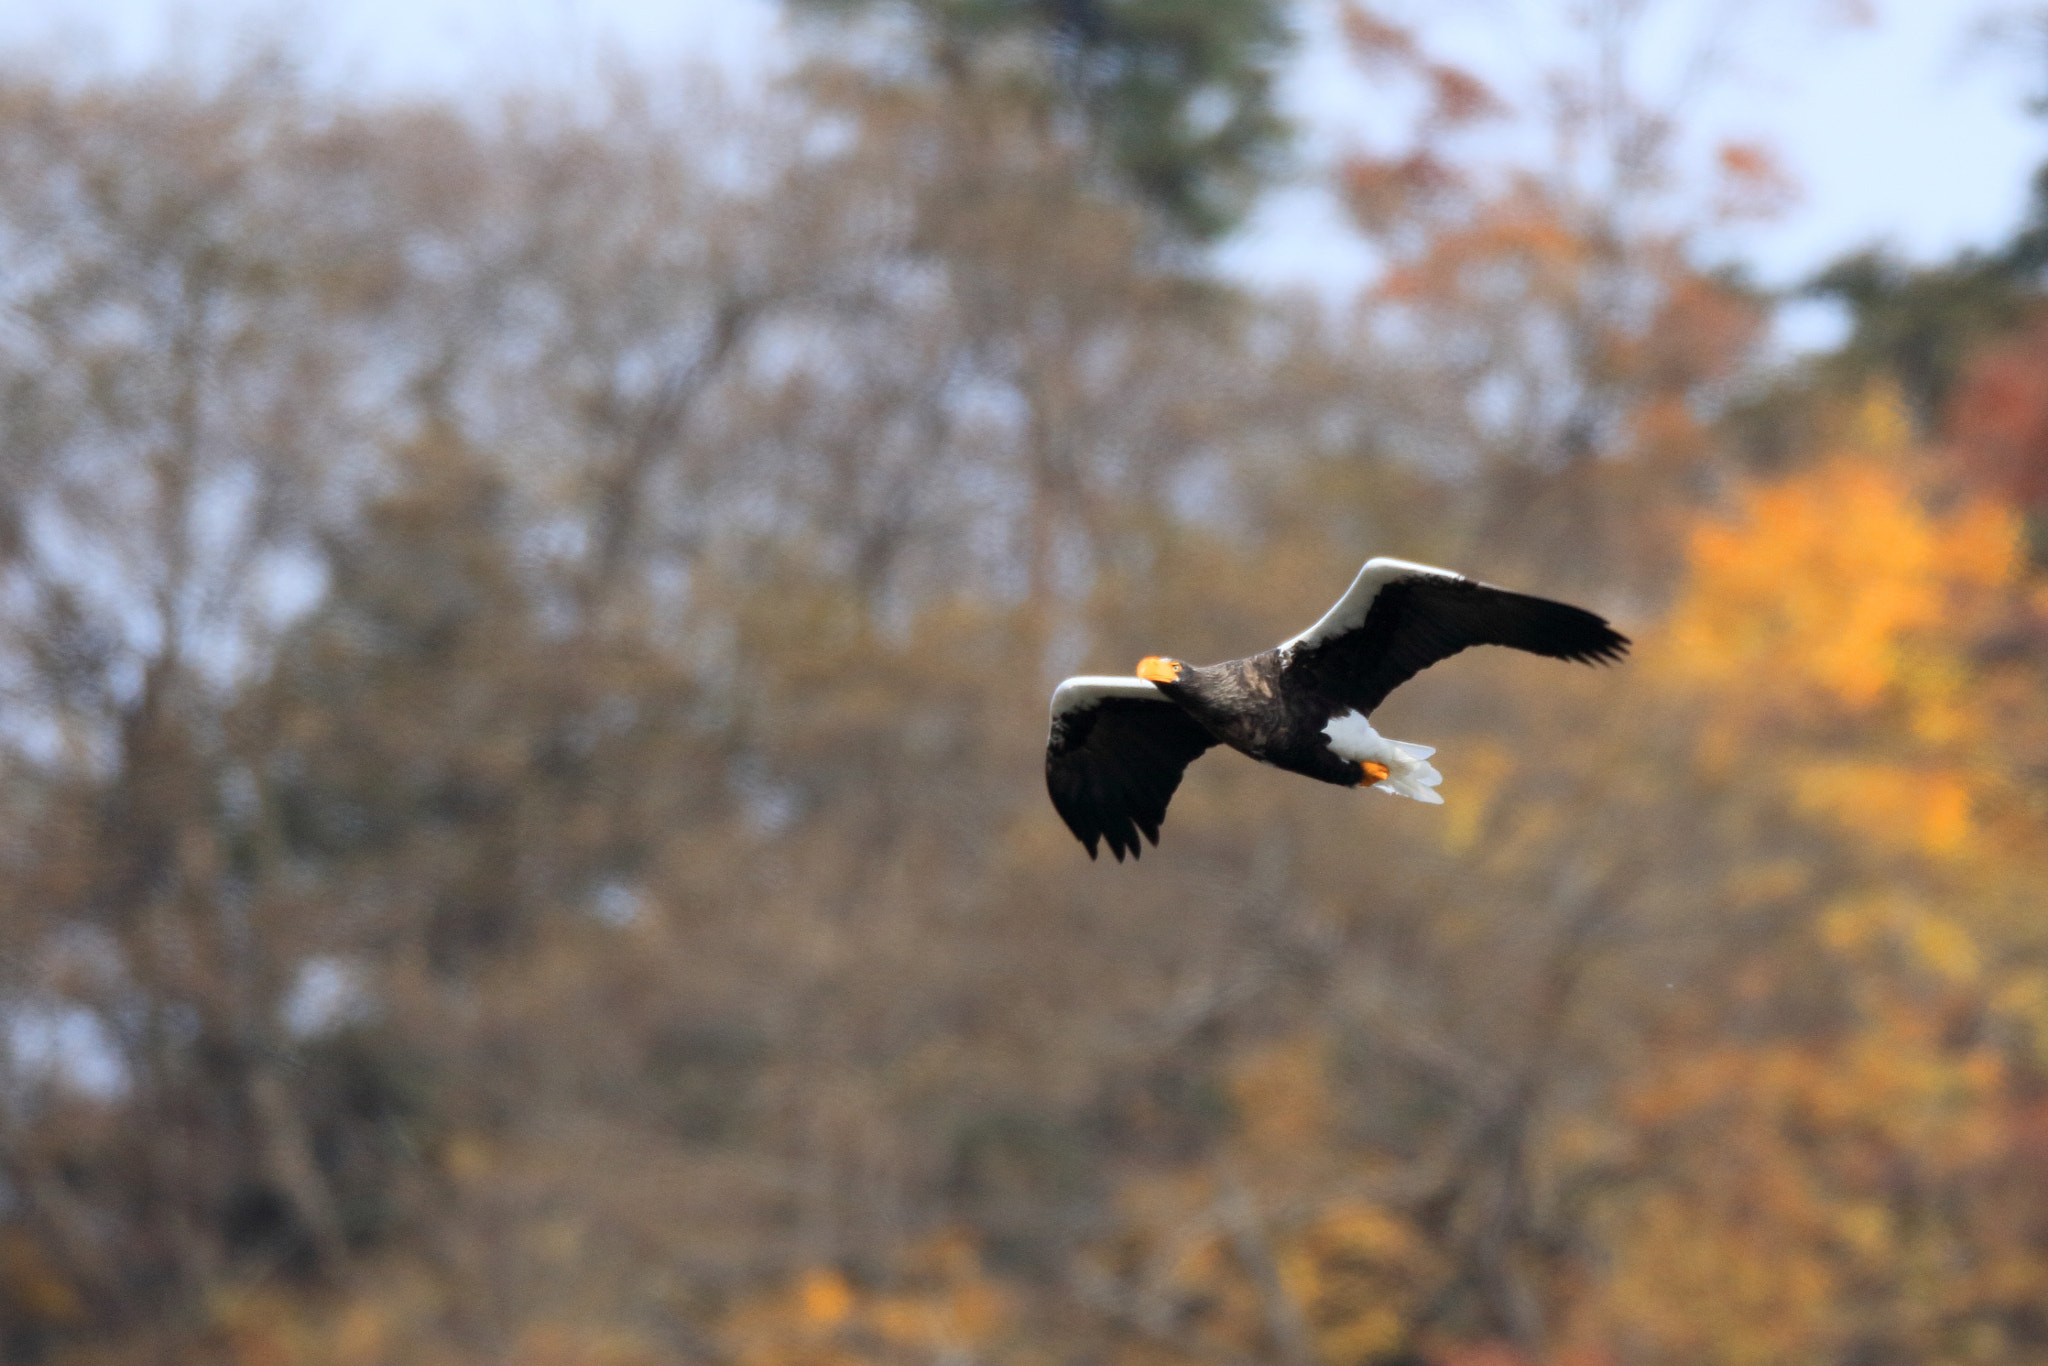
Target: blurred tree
(521,824)
(1176,94)
(1561,348)
(1857,1177)
(471,578)
(1997,422)
(1919,326)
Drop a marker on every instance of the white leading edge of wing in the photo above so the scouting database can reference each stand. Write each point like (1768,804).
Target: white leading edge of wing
(1086,690)
(1349,613)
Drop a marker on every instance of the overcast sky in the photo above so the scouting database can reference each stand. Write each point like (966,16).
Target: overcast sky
(1900,131)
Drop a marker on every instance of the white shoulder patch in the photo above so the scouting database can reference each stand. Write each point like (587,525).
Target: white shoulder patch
(1349,613)
(1086,690)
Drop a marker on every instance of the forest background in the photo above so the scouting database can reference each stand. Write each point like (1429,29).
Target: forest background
(525,638)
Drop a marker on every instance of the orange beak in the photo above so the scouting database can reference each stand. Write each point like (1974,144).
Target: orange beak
(1154,669)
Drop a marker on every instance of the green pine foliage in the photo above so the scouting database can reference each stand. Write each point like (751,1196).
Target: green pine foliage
(1918,326)
(1176,95)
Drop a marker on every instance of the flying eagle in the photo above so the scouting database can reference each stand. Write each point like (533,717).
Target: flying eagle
(1119,745)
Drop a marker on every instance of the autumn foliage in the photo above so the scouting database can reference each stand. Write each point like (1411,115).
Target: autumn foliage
(526,640)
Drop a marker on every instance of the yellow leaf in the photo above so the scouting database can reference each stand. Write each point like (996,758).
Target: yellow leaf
(824,1299)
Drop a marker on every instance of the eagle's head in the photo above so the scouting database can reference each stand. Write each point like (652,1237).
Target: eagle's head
(1158,669)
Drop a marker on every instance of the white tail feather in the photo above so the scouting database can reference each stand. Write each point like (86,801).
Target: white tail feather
(1409,772)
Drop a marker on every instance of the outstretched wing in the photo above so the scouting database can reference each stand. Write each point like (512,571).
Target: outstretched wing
(1398,618)
(1114,757)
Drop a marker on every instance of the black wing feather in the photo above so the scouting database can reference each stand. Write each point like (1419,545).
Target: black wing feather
(1416,621)
(1112,768)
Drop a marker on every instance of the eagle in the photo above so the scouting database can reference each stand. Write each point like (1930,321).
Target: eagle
(1118,746)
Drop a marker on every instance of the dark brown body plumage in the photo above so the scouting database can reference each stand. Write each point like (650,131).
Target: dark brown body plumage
(1246,704)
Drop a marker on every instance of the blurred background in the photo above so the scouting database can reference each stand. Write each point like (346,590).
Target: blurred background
(534,544)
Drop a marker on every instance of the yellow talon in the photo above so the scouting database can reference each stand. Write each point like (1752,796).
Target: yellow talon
(1374,773)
